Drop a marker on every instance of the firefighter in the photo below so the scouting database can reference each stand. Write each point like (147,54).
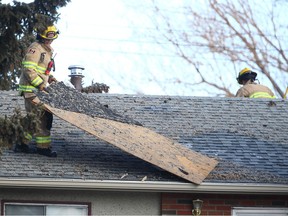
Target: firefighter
(251,89)
(36,67)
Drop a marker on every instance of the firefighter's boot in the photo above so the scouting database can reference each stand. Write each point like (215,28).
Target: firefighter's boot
(24,148)
(46,152)
(23,145)
(44,146)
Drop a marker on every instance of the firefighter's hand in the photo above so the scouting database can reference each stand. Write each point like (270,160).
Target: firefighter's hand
(41,87)
(51,79)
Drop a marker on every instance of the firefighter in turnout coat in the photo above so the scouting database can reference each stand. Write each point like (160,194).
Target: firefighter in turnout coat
(251,89)
(35,75)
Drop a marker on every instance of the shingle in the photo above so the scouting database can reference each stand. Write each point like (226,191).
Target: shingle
(249,137)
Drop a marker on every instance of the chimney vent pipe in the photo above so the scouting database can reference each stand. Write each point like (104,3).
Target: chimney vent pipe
(76,76)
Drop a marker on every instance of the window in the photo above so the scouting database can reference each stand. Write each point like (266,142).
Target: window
(259,211)
(18,208)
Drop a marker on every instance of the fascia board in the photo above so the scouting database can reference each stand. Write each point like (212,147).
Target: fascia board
(145,186)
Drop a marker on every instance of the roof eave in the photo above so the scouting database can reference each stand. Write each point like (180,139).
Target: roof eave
(145,186)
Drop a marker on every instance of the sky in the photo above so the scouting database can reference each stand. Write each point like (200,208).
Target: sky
(100,36)
(103,37)
(108,38)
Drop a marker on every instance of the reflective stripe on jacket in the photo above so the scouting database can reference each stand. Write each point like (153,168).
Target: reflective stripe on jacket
(261,95)
(34,66)
(26,88)
(254,90)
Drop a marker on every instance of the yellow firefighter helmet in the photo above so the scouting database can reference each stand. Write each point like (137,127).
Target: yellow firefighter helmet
(50,33)
(246,74)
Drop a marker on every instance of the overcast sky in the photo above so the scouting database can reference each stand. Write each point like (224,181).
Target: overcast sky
(105,37)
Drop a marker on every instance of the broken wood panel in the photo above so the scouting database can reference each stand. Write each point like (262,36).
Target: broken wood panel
(144,144)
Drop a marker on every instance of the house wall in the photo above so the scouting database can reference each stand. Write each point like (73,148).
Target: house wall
(218,204)
(102,203)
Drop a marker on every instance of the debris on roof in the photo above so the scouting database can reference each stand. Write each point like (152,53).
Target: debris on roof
(248,138)
(63,97)
(144,144)
(238,173)
(136,140)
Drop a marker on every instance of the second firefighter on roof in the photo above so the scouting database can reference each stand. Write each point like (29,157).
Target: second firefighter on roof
(250,88)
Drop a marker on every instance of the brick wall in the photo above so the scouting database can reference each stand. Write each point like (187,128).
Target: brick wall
(218,204)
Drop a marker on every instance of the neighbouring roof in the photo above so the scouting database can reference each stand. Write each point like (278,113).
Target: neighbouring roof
(248,136)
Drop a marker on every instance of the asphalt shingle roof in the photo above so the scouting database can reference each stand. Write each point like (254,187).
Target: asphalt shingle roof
(249,138)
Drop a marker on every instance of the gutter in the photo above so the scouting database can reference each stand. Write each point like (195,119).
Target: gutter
(143,186)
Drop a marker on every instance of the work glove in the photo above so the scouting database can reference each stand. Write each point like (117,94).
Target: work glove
(41,87)
(51,79)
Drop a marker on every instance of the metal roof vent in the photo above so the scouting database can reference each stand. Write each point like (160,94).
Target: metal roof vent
(76,76)
(76,70)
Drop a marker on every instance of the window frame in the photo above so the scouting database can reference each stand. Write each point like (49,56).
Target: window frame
(45,203)
(236,211)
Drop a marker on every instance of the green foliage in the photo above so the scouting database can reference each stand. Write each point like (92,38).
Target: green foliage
(12,128)
(17,30)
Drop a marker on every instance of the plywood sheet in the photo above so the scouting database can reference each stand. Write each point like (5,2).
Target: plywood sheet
(144,144)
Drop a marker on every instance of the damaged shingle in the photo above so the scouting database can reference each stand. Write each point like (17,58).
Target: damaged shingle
(248,137)
(63,97)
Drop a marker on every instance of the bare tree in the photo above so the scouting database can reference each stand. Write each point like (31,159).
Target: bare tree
(220,36)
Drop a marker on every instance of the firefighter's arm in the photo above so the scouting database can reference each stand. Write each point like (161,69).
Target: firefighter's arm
(52,79)
(271,93)
(30,64)
(242,92)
